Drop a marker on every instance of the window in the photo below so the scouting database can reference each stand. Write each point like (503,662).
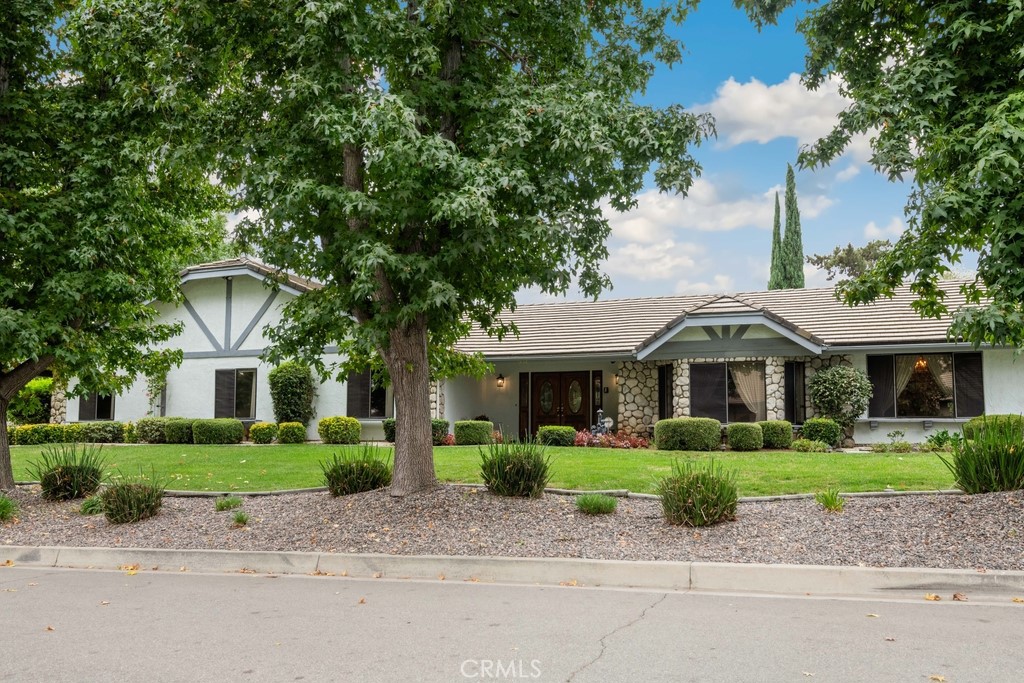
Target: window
(796,403)
(235,394)
(926,385)
(95,407)
(728,392)
(664,392)
(365,398)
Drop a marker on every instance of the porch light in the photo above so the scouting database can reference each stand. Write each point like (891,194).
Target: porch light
(501,381)
(920,365)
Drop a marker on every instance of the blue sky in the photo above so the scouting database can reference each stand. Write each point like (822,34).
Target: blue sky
(718,239)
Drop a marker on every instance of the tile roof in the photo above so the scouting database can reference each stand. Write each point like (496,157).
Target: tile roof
(618,327)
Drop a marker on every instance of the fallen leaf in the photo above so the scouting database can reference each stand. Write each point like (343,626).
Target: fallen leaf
(891,640)
(104,602)
(8,563)
(959,597)
(33,584)
(440,577)
(129,567)
(362,601)
(871,616)
(10,590)
(806,673)
(932,596)
(937,678)
(245,570)
(50,628)
(182,568)
(568,583)
(131,572)
(1018,599)
(377,575)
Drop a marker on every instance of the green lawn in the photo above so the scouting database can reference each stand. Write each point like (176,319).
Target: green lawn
(263,468)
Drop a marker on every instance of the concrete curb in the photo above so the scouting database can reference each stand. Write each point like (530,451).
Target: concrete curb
(672,576)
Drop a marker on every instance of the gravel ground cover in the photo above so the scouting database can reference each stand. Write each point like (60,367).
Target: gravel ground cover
(950,531)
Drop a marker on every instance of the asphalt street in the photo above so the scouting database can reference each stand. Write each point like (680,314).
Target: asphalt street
(137,624)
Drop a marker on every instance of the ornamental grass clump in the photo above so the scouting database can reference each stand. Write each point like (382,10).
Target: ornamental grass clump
(518,469)
(67,471)
(355,472)
(992,461)
(8,508)
(227,503)
(93,505)
(830,500)
(131,499)
(596,504)
(698,494)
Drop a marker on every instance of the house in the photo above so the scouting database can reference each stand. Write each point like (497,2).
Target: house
(735,357)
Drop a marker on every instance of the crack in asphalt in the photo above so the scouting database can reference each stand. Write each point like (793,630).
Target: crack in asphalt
(605,637)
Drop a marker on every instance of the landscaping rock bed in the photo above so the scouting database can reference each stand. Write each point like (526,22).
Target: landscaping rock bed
(971,532)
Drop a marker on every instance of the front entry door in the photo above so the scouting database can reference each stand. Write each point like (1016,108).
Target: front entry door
(561,398)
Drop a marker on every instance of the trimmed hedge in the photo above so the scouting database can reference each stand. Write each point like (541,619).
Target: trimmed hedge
(555,435)
(389,428)
(129,435)
(34,435)
(178,430)
(822,429)
(339,429)
(973,427)
(152,429)
(102,431)
(218,430)
(264,432)
(745,436)
(292,392)
(810,446)
(777,433)
(290,432)
(687,434)
(438,430)
(473,432)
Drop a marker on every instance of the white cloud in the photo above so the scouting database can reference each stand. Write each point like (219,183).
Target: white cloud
(894,229)
(658,216)
(848,173)
(719,284)
(659,261)
(815,277)
(758,112)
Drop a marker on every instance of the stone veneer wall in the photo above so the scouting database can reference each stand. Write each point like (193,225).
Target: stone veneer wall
(638,397)
(816,363)
(437,399)
(58,405)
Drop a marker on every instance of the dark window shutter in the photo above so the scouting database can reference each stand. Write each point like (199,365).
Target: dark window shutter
(87,407)
(795,392)
(224,394)
(359,394)
(882,373)
(664,392)
(970,387)
(709,391)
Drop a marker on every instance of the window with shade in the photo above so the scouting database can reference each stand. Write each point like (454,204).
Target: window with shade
(728,392)
(926,385)
(366,399)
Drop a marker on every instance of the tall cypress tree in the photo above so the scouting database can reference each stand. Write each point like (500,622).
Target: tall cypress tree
(792,243)
(775,278)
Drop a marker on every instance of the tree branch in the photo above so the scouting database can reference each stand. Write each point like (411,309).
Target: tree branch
(12,382)
(514,57)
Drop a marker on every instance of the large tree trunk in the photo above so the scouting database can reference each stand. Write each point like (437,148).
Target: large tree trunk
(406,359)
(6,471)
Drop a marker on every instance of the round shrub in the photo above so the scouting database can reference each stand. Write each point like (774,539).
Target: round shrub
(438,431)
(745,436)
(179,430)
(698,494)
(290,432)
(218,430)
(841,393)
(687,434)
(341,430)
(132,500)
(293,392)
(389,429)
(777,433)
(517,469)
(66,472)
(152,429)
(810,446)
(596,504)
(357,472)
(822,429)
(474,432)
(973,427)
(555,435)
(264,432)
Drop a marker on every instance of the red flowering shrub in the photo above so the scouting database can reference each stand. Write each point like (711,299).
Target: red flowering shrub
(448,440)
(497,437)
(618,440)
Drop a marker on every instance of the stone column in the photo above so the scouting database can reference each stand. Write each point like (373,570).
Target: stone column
(681,390)
(437,399)
(775,387)
(58,404)
(638,397)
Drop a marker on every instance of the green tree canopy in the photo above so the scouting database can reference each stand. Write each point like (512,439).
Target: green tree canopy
(850,261)
(425,160)
(94,212)
(937,84)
